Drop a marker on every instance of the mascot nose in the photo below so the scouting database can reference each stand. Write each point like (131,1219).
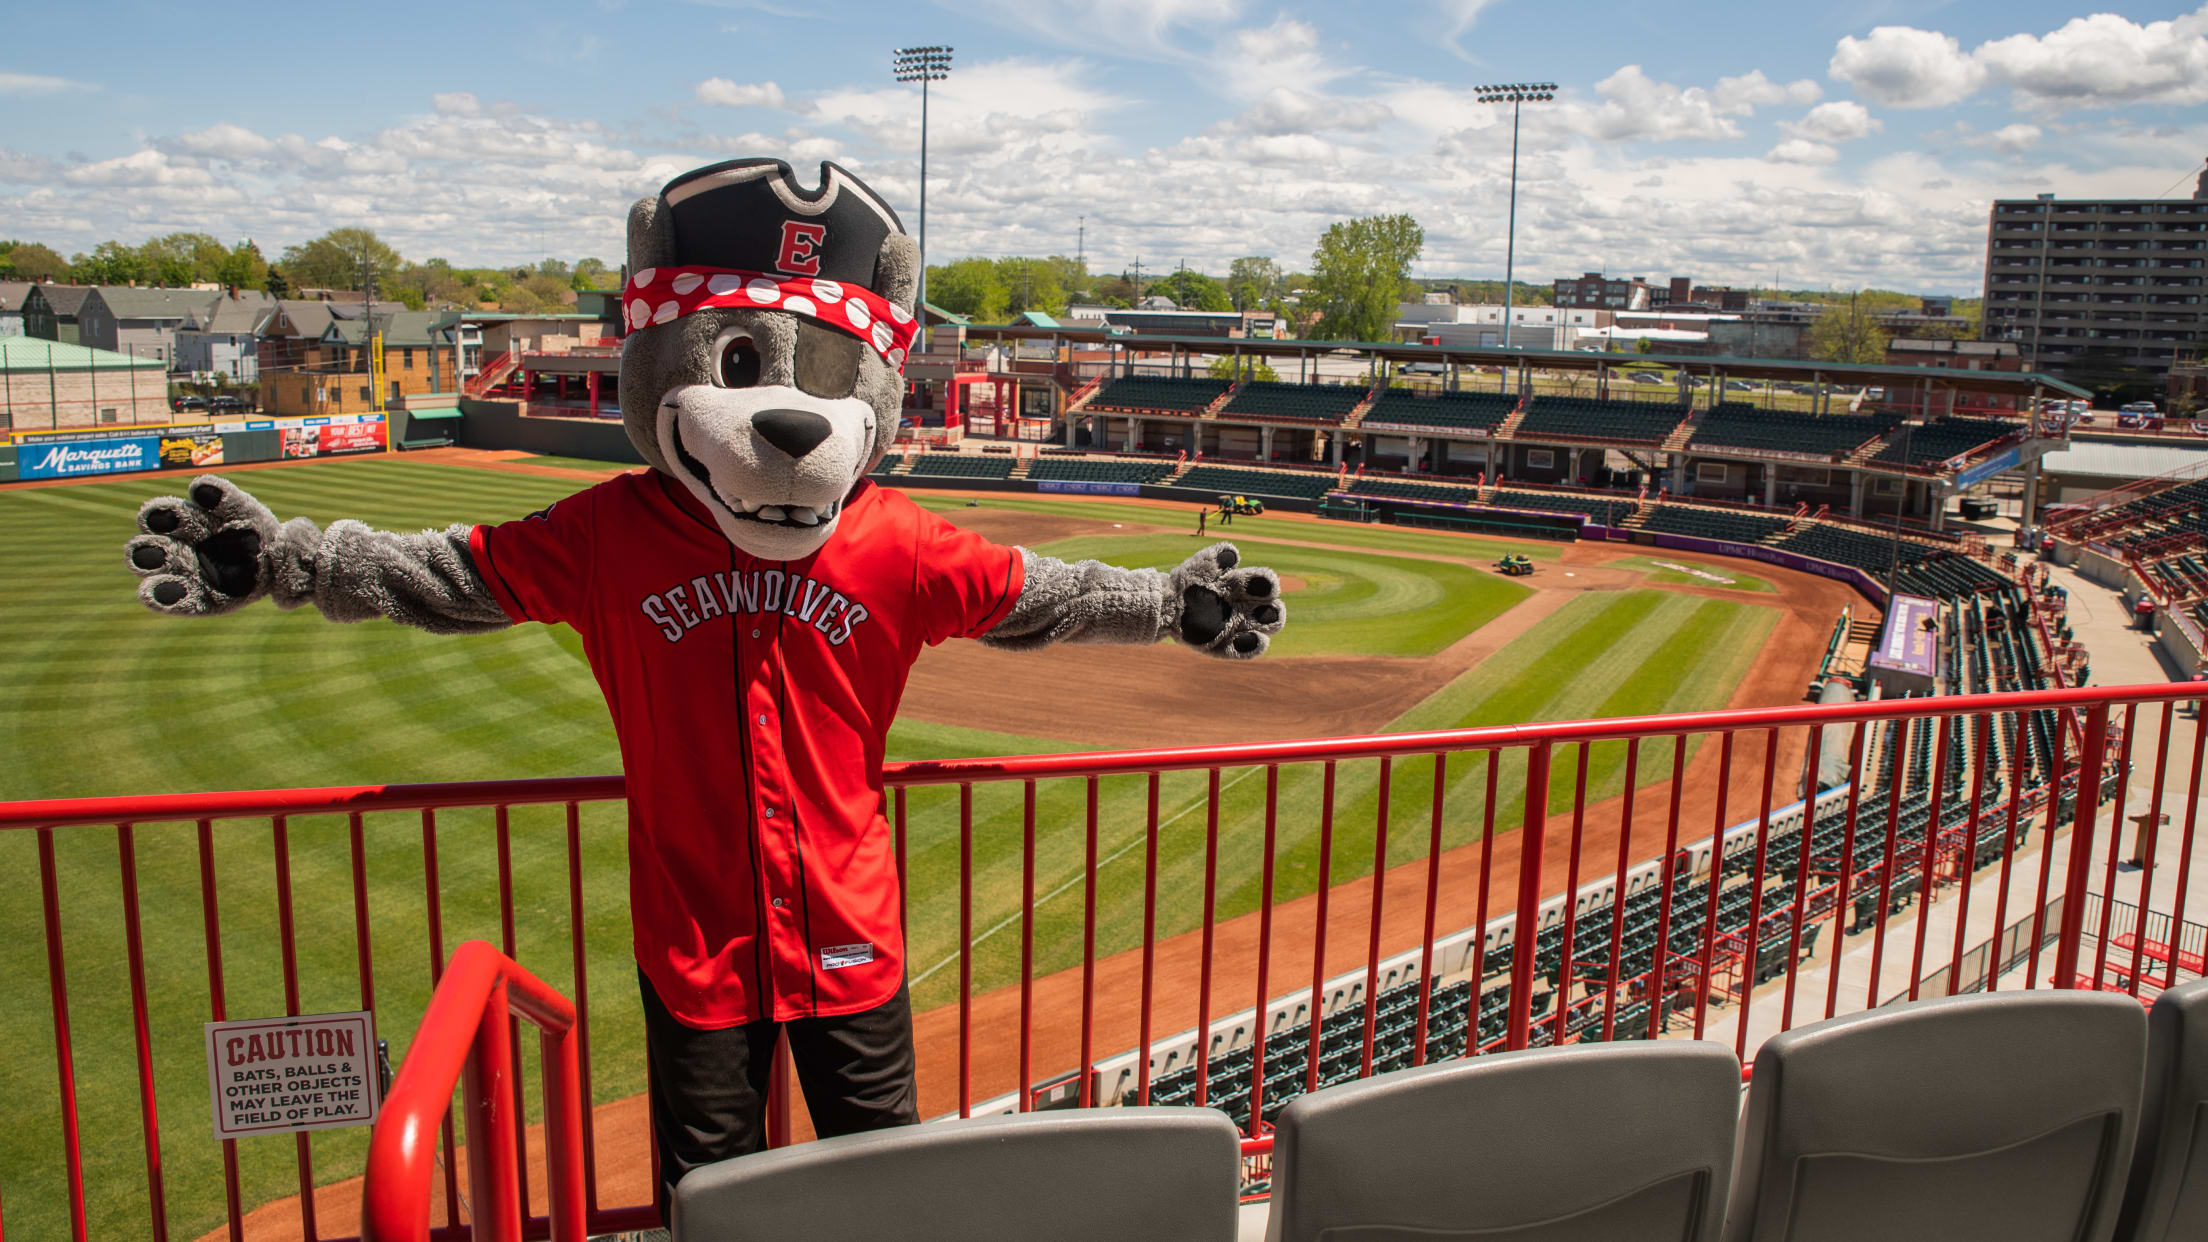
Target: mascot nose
(795,432)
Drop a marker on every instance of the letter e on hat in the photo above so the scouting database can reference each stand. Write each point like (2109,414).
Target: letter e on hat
(801,241)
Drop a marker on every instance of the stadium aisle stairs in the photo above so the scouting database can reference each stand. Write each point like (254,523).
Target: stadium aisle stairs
(1357,416)
(1508,428)
(1212,410)
(1020,468)
(1677,443)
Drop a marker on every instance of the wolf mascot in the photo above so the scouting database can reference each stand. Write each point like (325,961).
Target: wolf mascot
(751,606)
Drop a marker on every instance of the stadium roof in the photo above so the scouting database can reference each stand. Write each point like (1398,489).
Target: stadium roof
(20,354)
(2128,461)
(2017,383)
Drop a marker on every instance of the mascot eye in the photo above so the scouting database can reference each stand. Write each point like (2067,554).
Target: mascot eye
(739,365)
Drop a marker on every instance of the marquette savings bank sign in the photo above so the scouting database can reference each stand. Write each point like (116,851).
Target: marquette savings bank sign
(103,456)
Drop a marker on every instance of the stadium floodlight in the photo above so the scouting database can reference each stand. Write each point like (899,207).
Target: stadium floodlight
(930,63)
(1515,94)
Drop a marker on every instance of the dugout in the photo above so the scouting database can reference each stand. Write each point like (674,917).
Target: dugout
(1512,524)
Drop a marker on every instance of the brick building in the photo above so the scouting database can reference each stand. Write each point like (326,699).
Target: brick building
(1595,291)
(46,385)
(330,373)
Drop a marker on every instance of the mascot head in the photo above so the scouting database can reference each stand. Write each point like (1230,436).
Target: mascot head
(768,330)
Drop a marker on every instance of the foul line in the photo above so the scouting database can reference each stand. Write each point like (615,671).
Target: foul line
(1010,919)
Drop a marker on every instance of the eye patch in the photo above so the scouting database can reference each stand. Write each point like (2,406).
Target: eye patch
(827,361)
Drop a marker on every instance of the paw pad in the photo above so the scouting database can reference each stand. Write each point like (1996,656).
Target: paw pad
(168,594)
(148,558)
(207,496)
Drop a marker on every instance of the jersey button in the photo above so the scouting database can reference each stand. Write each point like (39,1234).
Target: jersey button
(755,633)
(762,718)
(770,812)
(779,903)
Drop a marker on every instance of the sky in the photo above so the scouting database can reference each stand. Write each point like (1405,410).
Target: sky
(1803,143)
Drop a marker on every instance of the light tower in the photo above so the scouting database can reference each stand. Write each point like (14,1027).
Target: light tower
(931,63)
(1515,94)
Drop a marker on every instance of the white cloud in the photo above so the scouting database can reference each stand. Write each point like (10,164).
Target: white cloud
(1285,110)
(1148,28)
(39,84)
(2105,60)
(145,167)
(224,141)
(1458,18)
(1803,151)
(2013,139)
(1742,95)
(456,103)
(727,94)
(1253,60)
(1636,106)
(1904,67)
(1840,120)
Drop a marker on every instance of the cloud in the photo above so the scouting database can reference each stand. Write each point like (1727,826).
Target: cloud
(1841,120)
(2104,61)
(39,84)
(1803,151)
(1145,28)
(456,103)
(1253,60)
(224,141)
(1285,110)
(727,94)
(1742,95)
(145,167)
(1636,106)
(1904,67)
(1458,17)
(2013,139)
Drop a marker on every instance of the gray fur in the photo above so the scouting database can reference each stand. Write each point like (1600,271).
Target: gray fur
(1091,602)
(349,573)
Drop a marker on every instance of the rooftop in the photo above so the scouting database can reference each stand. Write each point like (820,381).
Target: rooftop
(29,353)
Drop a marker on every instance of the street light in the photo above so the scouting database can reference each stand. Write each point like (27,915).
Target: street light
(931,63)
(1514,94)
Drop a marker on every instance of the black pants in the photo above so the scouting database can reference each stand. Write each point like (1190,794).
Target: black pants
(709,1088)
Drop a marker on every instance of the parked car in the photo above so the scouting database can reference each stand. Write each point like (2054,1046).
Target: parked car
(189,405)
(1644,377)
(226,405)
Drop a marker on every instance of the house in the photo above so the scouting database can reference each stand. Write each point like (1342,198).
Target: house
(419,355)
(224,339)
(291,340)
(50,311)
(12,293)
(141,322)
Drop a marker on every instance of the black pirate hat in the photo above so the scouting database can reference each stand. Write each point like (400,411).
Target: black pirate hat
(752,215)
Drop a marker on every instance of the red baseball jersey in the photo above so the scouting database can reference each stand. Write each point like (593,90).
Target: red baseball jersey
(752,700)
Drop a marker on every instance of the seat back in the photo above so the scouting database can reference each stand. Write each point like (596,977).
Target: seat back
(1090,1175)
(1608,1143)
(2168,1196)
(2006,1118)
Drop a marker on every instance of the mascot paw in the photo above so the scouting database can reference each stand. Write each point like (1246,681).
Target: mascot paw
(1228,611)
(202,553)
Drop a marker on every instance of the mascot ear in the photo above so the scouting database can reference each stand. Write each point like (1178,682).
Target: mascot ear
(896,272)
(651,235)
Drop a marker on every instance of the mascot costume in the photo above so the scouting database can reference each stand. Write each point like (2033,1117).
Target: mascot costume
(750,606)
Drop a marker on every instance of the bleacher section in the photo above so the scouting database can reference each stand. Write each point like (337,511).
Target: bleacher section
(1450,411)
(1707,523)
(1091,470)
(1317,403)
(1873,554)
(1741,426)
(1604,512)
(2169,511)
(962,466)
(1407,489)
(1932,443)
(1226,479)
(1151,392)
(1588,418)
(1950,576)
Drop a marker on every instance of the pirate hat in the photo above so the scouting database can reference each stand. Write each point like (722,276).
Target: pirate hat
(752,215)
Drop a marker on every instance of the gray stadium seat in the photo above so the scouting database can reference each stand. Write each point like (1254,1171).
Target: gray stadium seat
(1599,1143)
(2168,1197)
(1092,1175)
(2004,1118)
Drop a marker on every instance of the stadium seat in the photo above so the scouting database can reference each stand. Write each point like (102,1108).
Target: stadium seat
(1604,1142)
(2168,1196)
(2006,1118)
(1091,1175)
(1153,392)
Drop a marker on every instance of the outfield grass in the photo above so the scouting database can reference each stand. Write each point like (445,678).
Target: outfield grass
(1671,577)
(1349,603)
(574,463)
(106,698)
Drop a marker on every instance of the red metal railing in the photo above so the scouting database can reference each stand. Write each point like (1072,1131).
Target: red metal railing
(1684,893)
(465,1036)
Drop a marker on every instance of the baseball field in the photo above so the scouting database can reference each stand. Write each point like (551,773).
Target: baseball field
(1389,630)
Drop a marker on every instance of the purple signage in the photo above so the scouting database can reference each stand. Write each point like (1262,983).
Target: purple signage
(1910,642)
(1848,574)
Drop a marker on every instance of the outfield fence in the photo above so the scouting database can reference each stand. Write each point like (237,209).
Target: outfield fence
(1565,917)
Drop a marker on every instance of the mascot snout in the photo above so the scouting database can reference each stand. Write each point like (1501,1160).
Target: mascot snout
(773,464)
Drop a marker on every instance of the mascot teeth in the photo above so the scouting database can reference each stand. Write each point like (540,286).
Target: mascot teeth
(805,515)
(770,513)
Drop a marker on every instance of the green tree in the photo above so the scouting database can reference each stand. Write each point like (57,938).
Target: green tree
(970,287)
(1359,272)
(340,259)
(31,261)
(1073,277)
(243,267)
(1252,282)
(110,263)
(592,274)
(1195,291)
(1118,291)
(180,259)
(1847,333)
(1223,367)
(278,284)
(1030,285)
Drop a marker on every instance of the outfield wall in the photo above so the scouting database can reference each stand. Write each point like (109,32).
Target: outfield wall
(103,451)
(501,425)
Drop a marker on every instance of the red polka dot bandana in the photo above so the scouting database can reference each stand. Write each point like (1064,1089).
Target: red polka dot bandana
(658,295)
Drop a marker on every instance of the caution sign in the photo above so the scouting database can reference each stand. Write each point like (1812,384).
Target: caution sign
(312,1072)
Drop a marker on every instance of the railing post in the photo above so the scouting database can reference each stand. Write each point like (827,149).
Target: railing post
(1525,936)
(2090,759)
(494,1176)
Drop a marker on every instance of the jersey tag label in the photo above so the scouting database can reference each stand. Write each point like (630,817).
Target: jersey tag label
(838,956)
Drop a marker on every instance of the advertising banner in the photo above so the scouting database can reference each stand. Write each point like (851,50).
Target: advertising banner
(331,437)
(1087,487)
(190,452)
(75,457)
(1911,640)
(2004,460)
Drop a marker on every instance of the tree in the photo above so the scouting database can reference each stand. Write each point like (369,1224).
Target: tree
(969,287)
(180,259)
(1118,291)
(278,284)
(340,258)
(1030,284)
(1196,291)
(1359,272)
(242,267)
(110,263)
(31,261)
(592,274)
(1847,333)
(1223,367)
(1252,282)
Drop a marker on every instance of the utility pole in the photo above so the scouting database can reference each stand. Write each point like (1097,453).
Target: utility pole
(1081,245)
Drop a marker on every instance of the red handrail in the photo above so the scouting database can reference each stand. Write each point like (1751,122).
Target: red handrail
(464,1036)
